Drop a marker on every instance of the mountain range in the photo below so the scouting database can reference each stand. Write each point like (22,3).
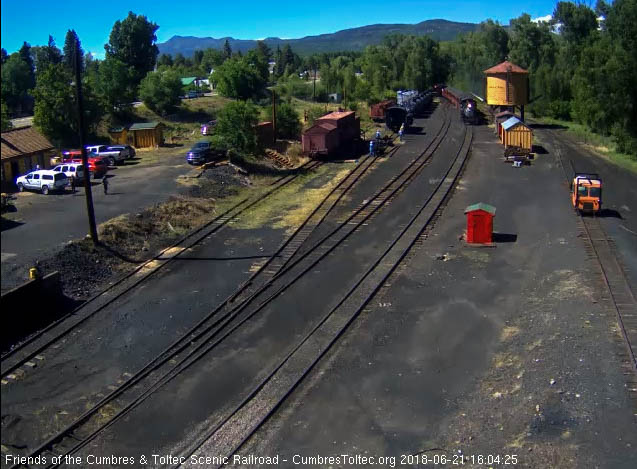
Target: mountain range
(353,39)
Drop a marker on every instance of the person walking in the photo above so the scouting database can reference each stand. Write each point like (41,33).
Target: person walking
(371,148)
(73,184)
(105,184)
(401,132)
(377,134)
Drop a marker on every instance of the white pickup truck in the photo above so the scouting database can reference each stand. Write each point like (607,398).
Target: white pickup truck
(114,156)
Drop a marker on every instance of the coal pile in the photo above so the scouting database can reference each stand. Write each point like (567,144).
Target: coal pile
(84,269)
(218,182)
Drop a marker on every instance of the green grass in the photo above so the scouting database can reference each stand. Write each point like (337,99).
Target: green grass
(600,144)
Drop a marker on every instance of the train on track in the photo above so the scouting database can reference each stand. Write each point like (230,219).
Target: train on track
(463,101)
(409,103)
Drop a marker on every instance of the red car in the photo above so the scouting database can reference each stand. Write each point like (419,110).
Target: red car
(96,164)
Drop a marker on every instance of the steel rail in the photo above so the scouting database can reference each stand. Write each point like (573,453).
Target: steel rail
(324,349)
(416,165)
(339,191)
(605,274)
(218,222)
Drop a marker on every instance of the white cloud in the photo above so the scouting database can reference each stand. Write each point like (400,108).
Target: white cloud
(544,19)
(97,55)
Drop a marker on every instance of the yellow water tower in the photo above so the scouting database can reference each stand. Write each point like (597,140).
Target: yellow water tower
(507,85)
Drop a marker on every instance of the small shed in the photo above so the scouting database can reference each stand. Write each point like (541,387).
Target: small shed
(118,135)
(480,223)
(146,134)
(516,133)
(500,117)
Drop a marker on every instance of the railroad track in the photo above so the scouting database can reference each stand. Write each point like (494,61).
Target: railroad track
(81,430)
(32,348)
(226,438)
(183,353)
(620,296)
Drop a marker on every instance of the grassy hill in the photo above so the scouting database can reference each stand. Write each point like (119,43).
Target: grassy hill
(354,39)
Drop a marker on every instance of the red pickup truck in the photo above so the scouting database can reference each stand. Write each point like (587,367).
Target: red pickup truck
(96,164)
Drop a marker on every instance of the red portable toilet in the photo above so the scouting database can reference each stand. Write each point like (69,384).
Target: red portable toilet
(480,223)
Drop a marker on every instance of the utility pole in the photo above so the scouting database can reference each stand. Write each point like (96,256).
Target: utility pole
(274,113)
(80,120)
(314,85)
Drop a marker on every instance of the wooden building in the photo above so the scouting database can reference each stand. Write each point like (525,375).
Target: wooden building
(516,133)
(145,134)
(23,150)
(507,86)
(119,135)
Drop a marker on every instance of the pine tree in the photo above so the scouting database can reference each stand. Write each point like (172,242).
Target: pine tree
(227,50)
(71,43)
(25,55)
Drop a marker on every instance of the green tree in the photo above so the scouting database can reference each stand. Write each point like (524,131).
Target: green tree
(132,41)
(3,55)
(165,60)
(160,91)
(288,124)
(15,83)
(531,44)
(27,57)
(71,43)
(55,111)
(238,78)
(6,122)
(227,50)
(114,84)
(236,124)
(46,55)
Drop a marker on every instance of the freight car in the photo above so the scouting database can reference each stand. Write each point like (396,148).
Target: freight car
(396,116)
(377,111)
(331,133)
(409,103)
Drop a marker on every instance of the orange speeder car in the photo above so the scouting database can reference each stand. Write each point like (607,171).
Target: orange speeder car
(586,192)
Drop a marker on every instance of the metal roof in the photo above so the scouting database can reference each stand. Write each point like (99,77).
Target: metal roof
(188,80)
(336,115)
(480,206)
(505,67)
(511,122)
(144,125)
(23,141)
(321,128)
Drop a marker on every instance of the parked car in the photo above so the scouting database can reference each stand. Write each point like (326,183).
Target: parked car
(127,150)
(206,129)
(113,156)
(200,153)
(71,170)
(43,180)
(96,165)
(192,94)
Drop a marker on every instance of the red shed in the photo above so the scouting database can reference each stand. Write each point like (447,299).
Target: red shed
(480,223)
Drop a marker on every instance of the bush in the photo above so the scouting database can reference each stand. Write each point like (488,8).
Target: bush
(161,91)
(288,124)
(236,124)
(314,113)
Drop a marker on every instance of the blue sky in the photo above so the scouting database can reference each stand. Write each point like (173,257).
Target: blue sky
(34,20)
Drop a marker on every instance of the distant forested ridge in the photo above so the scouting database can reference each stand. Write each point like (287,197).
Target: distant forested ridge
(354,39)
